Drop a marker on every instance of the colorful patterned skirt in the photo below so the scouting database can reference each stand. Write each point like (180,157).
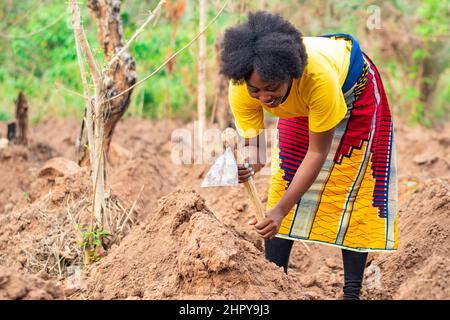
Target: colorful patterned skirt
(353,202)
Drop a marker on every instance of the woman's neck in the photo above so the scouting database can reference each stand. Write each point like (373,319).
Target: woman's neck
(288,91)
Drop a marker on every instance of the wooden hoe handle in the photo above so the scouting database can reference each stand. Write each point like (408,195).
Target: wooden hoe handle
(229,138)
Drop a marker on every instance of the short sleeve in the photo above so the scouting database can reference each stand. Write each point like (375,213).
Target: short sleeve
(248,114)
(326,103)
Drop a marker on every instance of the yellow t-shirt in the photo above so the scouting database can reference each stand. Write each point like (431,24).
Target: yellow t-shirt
(317,94)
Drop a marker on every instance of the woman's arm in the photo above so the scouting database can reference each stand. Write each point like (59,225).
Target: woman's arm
(319,147)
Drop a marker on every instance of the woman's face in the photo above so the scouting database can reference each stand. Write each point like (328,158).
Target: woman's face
(270,94)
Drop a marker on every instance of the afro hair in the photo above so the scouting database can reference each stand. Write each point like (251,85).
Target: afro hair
(267,44)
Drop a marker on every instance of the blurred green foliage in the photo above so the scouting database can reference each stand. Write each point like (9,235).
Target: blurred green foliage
(4,116)
(37,53)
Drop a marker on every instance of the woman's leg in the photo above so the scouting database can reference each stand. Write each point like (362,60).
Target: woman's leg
(278,250)
(354,265)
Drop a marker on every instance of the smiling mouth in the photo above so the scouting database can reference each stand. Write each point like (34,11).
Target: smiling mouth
(272,103)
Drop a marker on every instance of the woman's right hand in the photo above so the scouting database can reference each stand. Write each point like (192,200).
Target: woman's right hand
(246,171)
(249,168)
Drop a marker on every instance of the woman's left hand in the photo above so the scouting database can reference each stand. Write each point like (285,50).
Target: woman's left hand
(268,228)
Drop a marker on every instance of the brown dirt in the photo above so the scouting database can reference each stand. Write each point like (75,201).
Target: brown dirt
(19,166)
(16,176)
(420,269)
(18,286)
(40,235)
(421,154)
(182,249)
(184,252)
(148,168)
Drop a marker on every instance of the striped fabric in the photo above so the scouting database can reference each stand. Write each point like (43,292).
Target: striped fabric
(352,203)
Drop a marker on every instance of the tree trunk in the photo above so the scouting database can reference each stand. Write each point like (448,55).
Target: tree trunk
(122,73)
(21,120)
(201,101)
(221,110)
(95,127)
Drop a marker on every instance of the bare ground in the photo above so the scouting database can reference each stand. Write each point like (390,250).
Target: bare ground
(190,242)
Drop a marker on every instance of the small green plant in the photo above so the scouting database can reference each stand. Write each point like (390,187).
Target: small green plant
(26,195)
(90,240)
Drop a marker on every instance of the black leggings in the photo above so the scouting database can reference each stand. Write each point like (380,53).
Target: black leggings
(278,251)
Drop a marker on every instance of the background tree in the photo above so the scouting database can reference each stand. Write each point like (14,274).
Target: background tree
(120,73)
(100,116)
(201,89)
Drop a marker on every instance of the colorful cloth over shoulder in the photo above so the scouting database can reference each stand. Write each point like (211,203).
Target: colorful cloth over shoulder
(352,203)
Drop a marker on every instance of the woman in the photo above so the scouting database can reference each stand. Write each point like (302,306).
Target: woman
(334,169)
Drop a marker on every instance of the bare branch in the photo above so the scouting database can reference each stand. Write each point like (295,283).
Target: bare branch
(136,33)
(84,45)
(60,86)
(173,55)
(96,154)
(88,102)
(201,75)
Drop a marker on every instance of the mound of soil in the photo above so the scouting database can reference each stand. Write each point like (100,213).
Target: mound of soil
(40,235)
(19,167)
(18,286)
(184,252)
(16,176)
(58,133)
(420,269)
(149,173)
(45,234)
(143,181)
(421,154)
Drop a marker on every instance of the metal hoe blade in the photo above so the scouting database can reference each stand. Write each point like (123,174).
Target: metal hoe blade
(223,172)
